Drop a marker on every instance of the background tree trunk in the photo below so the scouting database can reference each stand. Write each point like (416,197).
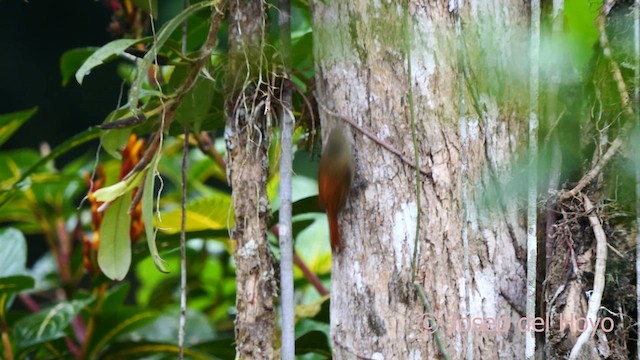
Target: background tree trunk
(247,137)
(362,74)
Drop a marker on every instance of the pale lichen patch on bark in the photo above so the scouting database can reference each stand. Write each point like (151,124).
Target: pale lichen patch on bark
(415,354)
(485,300)
(249,249)
(357,276)
(403,234)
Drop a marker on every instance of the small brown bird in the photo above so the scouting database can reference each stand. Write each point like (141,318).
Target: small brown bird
(334,180)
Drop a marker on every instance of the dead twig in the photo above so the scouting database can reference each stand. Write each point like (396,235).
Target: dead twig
(375,139)
(598,281)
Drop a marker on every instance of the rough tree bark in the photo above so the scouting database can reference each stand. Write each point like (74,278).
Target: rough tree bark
(247,137)
(361,74)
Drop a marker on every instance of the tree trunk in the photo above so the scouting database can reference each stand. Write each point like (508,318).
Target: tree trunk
(247,138)
(362,75)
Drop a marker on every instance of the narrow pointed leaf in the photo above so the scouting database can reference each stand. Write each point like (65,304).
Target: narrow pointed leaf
(161,39)
(83,137)
(102,55)
(72,60)
(48,324)
(118,189)
(15,283)
(9,123)
(147,217)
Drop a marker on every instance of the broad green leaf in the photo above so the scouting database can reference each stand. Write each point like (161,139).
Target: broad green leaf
(116,322)
(147,217)
(71,61)
(302,186)
(312,245)
(13,252)
(75,141)
(48,324)
(116,296)
(114,140)
(105,53)
(580,32)
(118,189)
(162,37)
(9,123)
(304,205)
(222,348)
(210,213)
(15,283)
(150,6)
(315,342)
(138,349)
(114,252)
(196,104)
(13,163)
(165,328)
(310,310)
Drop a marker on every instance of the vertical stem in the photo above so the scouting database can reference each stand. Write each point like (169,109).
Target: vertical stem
(532,246)
(183,219)
(183,246)
(406,35)
(636,98)
(286,159)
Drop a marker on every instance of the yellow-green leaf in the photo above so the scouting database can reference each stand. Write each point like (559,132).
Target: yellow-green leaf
(310,310)
(9,123)
(210,213)
(118,189)
(114,252)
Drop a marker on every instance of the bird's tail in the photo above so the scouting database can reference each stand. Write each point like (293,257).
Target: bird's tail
(334,231)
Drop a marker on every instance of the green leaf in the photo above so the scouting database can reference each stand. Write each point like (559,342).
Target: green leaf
(16,283)
(114,252)
(9,123)
(313,342)
(196,104)
(71,61)
(13,253)
(105,53)
(116,322)
(303,206)
(165,327)
(114,140)
(137,350)
(150,6)
(223,348)
(110,193)
(75,141)
(162,37)
(210,213)
(147,217)
(48,324)
(14,162)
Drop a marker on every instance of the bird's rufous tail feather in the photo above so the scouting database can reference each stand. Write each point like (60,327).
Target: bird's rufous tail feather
(334,231)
